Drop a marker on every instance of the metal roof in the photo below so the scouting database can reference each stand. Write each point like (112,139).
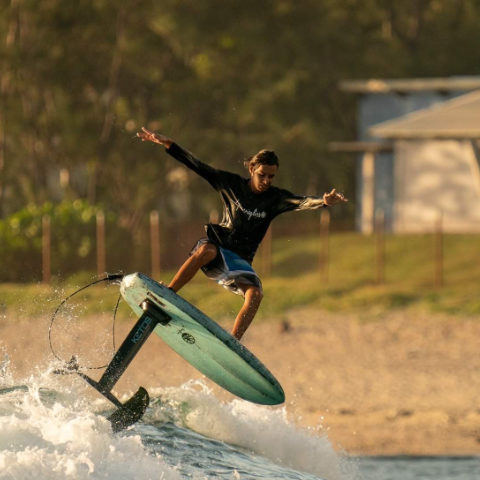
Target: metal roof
(456,118)
(359,146)
(446,84)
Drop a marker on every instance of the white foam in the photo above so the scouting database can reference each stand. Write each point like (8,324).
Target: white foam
(41,438)
(5,375)
(45,434)
(263,430)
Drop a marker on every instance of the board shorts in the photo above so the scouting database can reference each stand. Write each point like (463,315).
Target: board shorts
(229,269)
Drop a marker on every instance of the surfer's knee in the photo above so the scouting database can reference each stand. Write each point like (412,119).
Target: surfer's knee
(253,295)
(206,253)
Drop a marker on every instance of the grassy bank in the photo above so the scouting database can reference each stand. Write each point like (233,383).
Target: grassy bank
(296,280)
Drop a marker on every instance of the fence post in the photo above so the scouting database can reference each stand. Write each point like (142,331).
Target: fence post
(380,247)
(46,249)
(101,262)
(267,253)
(155,242)
(324,257)
(438,251)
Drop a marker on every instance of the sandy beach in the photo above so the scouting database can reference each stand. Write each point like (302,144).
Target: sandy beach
(403,383)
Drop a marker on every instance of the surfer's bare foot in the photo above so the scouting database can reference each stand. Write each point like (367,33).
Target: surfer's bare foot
(163,284)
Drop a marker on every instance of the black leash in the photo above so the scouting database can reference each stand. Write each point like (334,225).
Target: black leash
(72,363)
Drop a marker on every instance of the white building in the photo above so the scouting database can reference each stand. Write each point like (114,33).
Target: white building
(418,153)
(436,166)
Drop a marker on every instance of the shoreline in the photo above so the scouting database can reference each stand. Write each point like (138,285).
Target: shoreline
(403,384)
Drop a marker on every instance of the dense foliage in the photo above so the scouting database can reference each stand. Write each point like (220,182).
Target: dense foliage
(72,227)
(223,77)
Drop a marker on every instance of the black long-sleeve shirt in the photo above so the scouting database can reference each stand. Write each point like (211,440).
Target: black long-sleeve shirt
(246,215)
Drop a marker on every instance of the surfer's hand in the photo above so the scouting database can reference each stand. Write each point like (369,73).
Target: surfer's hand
(147,135)
(333,198)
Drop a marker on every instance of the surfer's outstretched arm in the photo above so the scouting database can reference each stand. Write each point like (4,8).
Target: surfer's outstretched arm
(148,136)
(297,202)
(210,174)
(333,198)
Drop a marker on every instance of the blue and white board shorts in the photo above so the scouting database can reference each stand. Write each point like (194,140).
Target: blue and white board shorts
(229,269)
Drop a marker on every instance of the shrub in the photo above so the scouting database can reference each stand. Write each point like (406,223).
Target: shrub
(73,240)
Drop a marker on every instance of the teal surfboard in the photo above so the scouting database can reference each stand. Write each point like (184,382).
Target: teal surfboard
(203,343)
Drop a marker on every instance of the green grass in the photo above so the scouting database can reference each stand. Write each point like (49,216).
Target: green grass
(297,281)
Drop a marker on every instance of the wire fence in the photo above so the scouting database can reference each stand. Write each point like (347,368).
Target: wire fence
(165,250)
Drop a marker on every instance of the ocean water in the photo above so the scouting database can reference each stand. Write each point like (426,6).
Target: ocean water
(49,430)
(419,468)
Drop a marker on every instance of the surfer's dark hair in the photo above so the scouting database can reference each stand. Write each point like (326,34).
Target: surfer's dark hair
(263,157)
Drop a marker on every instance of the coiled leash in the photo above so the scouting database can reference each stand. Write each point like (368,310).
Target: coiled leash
(72,364)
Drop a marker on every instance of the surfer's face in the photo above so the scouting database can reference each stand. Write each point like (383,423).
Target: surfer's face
(261,177)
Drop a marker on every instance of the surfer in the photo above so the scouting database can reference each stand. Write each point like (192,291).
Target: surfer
(249,205)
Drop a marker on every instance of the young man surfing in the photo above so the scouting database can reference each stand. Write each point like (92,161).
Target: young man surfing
(249,205)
